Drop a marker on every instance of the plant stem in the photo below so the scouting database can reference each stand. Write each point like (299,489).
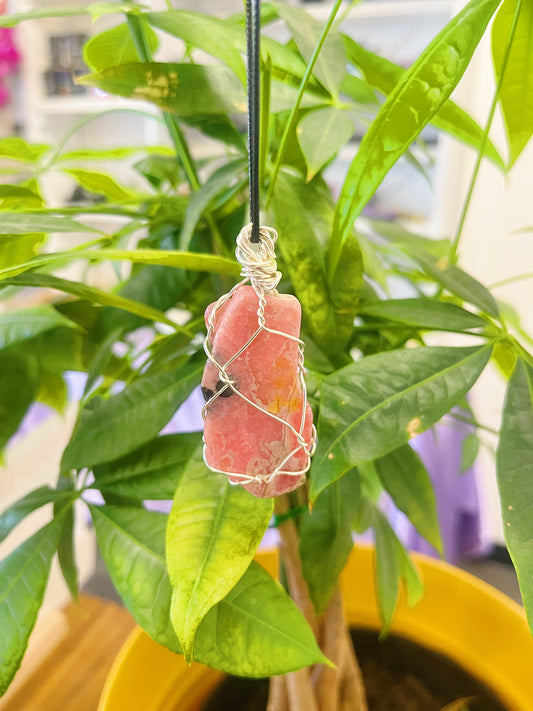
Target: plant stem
(293,566)
(300,693)
(473,423)
(277,696)
(511,280)
(142,46)
(481,151)
(327,681)
(352,692)
(291,122)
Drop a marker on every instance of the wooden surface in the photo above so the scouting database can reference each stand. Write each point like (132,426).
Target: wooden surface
(69,656)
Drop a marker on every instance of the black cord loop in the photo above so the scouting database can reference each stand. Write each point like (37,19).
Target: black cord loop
(253,27)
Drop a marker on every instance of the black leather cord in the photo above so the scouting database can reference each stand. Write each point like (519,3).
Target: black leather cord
(253,26)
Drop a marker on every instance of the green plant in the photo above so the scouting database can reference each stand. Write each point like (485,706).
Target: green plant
(312,88)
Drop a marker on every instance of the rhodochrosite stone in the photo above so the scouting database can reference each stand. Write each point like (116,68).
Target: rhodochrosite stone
(238,437)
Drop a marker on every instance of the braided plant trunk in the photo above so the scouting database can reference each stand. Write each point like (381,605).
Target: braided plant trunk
(318,688)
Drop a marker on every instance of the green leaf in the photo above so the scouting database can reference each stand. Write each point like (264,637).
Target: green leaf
(92,154)
(326,537)
(516,91)
(115,46)
(458,282)
(53,391)
(19,384)
(17,249)
(18,148)
(393,564)
(416,98)
(183,89)
(17,326)
(20,223)
(151,472)
(89,293)
(374,405)
(219,38)
(194,261)
(306,30)
(65,549)
(256,630)
(101,184)
(110,428)
(213,533)
(320,134)
(23,577)
(424,313)
(387,570)
(384,75)
(469,451)
(514,469)
(168,258)
(409,242)
(18,511)
(220,180)
(159,170)
(220,127)
(13,197)
(404,476)
(301,216)
(95,9)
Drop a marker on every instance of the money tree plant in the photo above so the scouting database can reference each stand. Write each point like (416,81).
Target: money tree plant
(189,578)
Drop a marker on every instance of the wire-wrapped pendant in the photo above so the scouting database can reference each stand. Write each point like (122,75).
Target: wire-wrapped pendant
(258,424)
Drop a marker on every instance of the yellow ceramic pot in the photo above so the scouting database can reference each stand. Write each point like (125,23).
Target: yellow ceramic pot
(460,617)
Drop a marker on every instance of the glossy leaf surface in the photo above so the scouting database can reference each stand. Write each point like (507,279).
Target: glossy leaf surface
(20,223)
(213,533)
(321,134)
(516,91)
(425,313)
(18,511)
(107,429)
(256,630)
(376,404)
(18,149)
(514,469)
(17,326)
(404,476)
(303,219)
(306,30)
(384,75)
(416,98)
(220,39)
(458,282)
(19,383)
(89,293)
(114,46)
(152,471)
(393,564)
(101,184)
(23,578)
(326,537)
(183,89)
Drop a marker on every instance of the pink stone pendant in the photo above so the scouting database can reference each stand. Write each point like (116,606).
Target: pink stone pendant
(258,424)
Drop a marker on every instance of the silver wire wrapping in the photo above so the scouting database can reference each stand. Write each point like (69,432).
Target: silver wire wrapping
(259,266)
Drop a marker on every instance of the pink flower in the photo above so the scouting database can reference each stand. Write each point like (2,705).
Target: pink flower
(9,55)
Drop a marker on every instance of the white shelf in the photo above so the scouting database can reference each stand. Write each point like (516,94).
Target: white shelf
(80,105)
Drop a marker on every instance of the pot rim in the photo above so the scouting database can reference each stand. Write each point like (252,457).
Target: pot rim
(460,616)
